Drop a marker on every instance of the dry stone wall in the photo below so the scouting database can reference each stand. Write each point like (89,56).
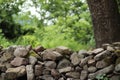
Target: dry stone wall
(27,63)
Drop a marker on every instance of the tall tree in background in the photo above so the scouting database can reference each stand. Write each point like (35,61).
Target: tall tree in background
(105,18)
(7,9)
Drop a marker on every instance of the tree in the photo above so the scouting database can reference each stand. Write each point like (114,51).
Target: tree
(73,14)
(105,18)
(7,9)
(58,22)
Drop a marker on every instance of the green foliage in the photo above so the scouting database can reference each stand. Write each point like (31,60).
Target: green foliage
(7,9)
(32,53)
(50,38)
(102,77)
(3,41)
(28,39)
(61,23)
(53,37)
(118,2)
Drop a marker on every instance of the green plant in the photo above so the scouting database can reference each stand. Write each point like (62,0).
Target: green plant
(102,77)
(61,23)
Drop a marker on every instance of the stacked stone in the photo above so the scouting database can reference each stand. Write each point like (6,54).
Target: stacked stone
(27,63)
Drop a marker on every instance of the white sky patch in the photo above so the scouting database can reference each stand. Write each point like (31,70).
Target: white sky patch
(29,7)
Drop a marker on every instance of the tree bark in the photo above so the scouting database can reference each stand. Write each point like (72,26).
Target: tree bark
(106,21)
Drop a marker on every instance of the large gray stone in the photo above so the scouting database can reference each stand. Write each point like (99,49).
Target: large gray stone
(83,75)
(8,54)
(116,44)
(21,52)
(117,67)
(98,50)
(13,73)
(105,45)
(30,72)
(32,60)
(50,64)
(51,55)
(83,52)
(101,64)
(64,70)
(91,62)
(55,73)
(102,55)
(85,60)
(6,57)
(63,50)
(38,70)
(18,61)
(102,71)
(63,63)
(92,69)
(110,48)
(76,58)
(75,75)
(115,77)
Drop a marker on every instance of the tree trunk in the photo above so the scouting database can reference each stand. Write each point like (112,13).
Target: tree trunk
(105,18)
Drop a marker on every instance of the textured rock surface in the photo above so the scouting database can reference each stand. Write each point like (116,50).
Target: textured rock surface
(18,61)
(83,75)
(115,77)
(12,73)
(117,67)
(92,69)
(50,55)
(75,75)
(30,73)
(38,70)
(63,50)
(98,50)
(102,71)
(32,60)
(27,63)
(64,70)
(39,49)
(20,52)
(50,64)
(76,58)
(101,64)
(64,63)
(55,73)
(8,54)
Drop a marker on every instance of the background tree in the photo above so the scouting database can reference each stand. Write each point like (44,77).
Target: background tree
(106,20)
(7,9)
(57,23)
(73,14)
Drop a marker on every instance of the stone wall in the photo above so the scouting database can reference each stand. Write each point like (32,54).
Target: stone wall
(27,63)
